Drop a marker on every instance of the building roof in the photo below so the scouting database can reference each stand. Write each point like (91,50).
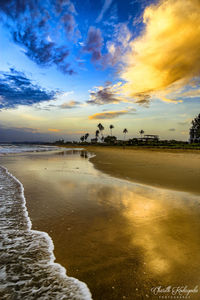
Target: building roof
(151,135)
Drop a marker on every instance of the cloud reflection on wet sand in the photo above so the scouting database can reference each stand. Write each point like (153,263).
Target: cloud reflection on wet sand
(118,237)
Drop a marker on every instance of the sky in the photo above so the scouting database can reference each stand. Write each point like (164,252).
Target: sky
(67,66)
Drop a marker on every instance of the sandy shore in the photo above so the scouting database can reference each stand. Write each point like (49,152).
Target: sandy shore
(121,239)
(175,169)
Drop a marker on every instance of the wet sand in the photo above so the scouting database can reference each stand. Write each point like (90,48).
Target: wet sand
(120,238)
(171,169)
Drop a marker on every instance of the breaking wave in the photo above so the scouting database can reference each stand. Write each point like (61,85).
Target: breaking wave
(27,267)
(10,148)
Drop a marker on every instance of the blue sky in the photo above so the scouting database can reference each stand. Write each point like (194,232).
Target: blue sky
(66,66)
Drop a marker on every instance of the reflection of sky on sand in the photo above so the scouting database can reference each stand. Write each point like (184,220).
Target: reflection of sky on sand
(159,222)
(109,232)
(165,225)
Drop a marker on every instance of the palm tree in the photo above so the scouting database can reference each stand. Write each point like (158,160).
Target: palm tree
(111,127)
(141,132)
(125,132)
(86,136)
(101,128)
(82,138)
(97,133)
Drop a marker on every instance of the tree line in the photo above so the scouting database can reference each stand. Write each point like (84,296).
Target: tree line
(99,133)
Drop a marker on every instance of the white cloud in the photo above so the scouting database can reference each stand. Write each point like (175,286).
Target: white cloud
(105,7)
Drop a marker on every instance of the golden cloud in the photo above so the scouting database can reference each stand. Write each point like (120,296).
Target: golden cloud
(76,132)
(70,104)
(109,114)
(54,130)
(168,50)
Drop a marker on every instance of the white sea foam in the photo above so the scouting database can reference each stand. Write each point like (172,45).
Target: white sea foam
(10,148)
(27,267)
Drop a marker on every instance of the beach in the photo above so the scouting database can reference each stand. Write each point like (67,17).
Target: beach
(120,238)
(171,169)
(100,150)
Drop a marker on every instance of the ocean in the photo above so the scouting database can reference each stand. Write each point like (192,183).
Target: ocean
(21,148)
(27,267)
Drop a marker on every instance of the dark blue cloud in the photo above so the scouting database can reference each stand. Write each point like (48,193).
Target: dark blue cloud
(43,28)
(16,89)
(94,43)
(104,95)
(14,8)
(15,134)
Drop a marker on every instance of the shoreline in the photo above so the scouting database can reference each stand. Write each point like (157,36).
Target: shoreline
(127,147)
(46,260)
(104,230)
(163,168)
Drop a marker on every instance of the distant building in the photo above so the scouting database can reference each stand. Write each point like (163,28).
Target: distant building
(148,138)
(151,138)
(145,139)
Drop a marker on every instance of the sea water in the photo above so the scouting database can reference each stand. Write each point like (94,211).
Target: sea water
(21,148)
(27,267)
